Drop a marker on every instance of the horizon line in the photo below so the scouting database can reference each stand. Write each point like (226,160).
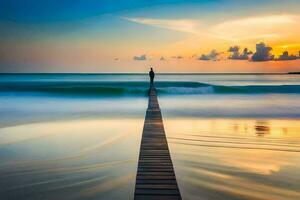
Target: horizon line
(139,73)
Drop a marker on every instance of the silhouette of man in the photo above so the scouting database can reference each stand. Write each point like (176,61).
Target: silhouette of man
(151,74)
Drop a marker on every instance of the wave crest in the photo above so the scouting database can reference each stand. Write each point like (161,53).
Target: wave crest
(141,88)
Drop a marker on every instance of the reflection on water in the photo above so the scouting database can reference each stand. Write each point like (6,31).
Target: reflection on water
(228,158)
(262,128)
(70,159)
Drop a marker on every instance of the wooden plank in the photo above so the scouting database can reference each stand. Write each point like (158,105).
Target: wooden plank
(162,186)
(155,174)
(157,182)
(156,197)
(148,191)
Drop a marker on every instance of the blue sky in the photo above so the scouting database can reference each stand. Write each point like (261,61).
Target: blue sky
(49,11)
(91,34)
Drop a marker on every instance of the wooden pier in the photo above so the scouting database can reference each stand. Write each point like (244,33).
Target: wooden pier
(155,176)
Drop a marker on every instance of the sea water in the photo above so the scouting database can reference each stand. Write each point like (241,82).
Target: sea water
(77,136)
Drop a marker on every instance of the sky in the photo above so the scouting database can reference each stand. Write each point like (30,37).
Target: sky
(130,36)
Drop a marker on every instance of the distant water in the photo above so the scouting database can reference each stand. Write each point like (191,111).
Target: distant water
(77,136)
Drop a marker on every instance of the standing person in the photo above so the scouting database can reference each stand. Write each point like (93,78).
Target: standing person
(151,74)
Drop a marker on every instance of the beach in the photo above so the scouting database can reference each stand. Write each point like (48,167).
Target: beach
(76,136)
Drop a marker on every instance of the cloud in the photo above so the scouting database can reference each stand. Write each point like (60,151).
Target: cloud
(256,28)
(234,49)
(141,57)
(253,28)
(235,53)
(213,55)
(263,53)
(203,57)
(285,56)
(181,25)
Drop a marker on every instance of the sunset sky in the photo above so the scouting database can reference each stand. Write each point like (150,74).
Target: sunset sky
(128,36)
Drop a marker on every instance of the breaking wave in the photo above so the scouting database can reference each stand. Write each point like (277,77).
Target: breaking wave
(141,88)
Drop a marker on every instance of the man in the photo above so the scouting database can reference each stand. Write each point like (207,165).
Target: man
(151,74)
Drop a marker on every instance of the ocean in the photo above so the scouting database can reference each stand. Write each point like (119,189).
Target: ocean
(77,136)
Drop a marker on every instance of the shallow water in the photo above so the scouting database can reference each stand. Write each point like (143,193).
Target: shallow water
(69,137)
(75,159)
(236,158)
